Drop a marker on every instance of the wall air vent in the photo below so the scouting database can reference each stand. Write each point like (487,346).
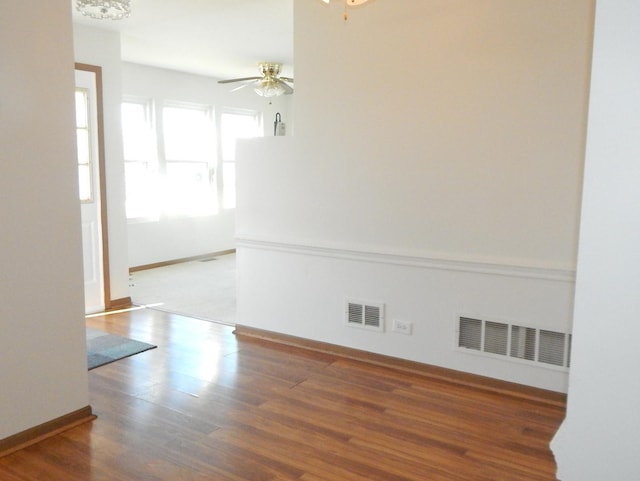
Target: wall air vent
(366,315)
(514,342)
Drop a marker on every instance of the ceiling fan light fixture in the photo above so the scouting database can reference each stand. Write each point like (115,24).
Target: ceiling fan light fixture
(269,88)
(104,9)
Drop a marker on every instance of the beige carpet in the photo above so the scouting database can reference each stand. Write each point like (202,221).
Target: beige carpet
(203,289)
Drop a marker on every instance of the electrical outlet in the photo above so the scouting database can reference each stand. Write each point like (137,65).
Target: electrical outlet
(403,327)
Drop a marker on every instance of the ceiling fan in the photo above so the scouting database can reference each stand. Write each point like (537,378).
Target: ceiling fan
(269,84)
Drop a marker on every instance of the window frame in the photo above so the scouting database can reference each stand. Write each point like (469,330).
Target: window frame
(210,158)
(157,164)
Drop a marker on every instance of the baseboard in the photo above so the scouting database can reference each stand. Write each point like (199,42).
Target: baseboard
(550,398)
(117,304)
(179,261)
(43,431)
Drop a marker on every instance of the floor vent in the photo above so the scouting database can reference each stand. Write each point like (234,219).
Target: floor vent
(365,315)
(514,342)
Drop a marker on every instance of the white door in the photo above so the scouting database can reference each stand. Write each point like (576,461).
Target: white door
(89,183)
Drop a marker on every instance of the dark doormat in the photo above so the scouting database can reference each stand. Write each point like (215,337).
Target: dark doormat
(104,348)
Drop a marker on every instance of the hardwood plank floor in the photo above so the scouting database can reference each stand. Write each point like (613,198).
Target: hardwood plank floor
(206,405)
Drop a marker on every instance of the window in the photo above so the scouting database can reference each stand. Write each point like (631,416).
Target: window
(140,160)
(173,177)
(83,136)
(234,125)
(189,139)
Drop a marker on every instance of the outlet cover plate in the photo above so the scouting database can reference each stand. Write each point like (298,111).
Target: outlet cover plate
(403,327)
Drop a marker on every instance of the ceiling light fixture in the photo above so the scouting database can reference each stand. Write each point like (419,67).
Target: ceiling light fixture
(270,84)
(101,9)
(270,88)
(351,3)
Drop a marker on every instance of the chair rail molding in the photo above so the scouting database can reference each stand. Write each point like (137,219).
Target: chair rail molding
(493,267)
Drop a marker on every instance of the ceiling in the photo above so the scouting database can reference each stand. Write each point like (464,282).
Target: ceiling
(217,38)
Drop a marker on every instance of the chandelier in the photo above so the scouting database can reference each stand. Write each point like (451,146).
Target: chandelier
(101,9)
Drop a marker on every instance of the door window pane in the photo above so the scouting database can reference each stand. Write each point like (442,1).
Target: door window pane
(83,139)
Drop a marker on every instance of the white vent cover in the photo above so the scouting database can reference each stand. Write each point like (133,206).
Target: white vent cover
(366,315)
(516,342)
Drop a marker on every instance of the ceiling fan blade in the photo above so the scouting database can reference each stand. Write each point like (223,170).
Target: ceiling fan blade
(288,90)
(238,80)
(288,79)
(242,86)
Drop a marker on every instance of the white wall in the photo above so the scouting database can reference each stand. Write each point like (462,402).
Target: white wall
(42,338)
(299,287)
(436,167)
(176,238)
(601,434)
(100,47)
(444,128)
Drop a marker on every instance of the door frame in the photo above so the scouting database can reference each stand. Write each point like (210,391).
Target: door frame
(102,182)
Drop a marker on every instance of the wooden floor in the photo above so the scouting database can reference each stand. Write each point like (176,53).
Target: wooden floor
(206,405)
